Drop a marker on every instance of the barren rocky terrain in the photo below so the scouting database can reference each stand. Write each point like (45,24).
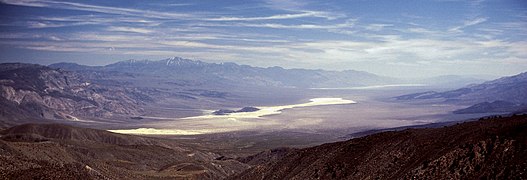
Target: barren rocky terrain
(119,96)
(29,92)
(54,151)
(492,148)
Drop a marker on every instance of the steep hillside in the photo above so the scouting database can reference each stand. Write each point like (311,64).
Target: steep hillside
(34,91)
(53,151)
(66,132)
(507,94)
(512,89)
(493,107)
(451,81)
(494,148)
(115,93)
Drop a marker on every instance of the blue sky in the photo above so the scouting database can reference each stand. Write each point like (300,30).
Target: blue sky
(393,38)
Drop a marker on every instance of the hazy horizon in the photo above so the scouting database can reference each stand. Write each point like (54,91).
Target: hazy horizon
(396,39)
(478,76)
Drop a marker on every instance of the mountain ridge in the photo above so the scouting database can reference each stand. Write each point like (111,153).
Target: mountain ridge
(56,151)
(490,148)
(71,133)
(277,76)
(510,91)
(40,92)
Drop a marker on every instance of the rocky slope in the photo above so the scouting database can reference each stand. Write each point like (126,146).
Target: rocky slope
(511,92)
(41,92)
(45,132)
(512,89)
(451,81)
(54,151)
(493,107)
(267,156)
(493,148)
(116,93)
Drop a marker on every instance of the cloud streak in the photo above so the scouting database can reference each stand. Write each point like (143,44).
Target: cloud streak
(129,29)
(97,8)
(317,14)
(468,23)
(287,33)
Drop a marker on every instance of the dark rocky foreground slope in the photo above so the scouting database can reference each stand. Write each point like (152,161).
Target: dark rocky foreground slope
(53,151)
(494,148)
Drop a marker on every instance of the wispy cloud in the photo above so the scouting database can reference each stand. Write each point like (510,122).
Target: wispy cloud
(48,24)
(468,23)
(31,3)
(97,19)
(97,8)
(160,14)
(300,6)
(286,4)
(278,16)
(275,32)
(391,48)
(172,4)
(346,24)
(421,31)
(129,29)
(298,26)
(377,27)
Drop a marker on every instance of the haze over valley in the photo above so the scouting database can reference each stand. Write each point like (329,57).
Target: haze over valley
(180,96)
(263,90)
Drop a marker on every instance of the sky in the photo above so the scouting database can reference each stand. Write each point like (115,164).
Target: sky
(412,38)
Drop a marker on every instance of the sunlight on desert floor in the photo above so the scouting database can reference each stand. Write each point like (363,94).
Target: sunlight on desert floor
(273,110)
(234,121)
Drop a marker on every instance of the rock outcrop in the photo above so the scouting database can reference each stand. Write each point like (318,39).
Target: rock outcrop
(34,91)
(493,148)
(55,151)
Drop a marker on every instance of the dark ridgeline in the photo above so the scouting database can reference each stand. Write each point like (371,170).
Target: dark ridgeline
(55,151)
(507,94)
(493,148)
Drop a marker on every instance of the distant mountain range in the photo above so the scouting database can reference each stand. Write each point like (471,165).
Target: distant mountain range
(122,90)
(198,72)
(493,107)
(68,91)
(451,81)
(507,94)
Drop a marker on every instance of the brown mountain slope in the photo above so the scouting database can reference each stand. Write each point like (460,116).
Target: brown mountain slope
(66,132)
(495,148)
(53,151)
(29,91)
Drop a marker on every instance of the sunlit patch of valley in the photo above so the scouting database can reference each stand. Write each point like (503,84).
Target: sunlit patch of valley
(234,121)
